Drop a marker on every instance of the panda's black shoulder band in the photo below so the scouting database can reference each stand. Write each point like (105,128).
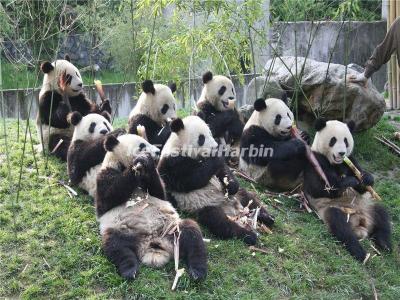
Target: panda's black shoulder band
(260,105)
(319,124)
(177,125)
(207,76)
(148,86)
(110,143)
(46,67)
(75,118)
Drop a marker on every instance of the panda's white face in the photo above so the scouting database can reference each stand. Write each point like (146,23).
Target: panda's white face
(276,118)
(160,106)
(129,147)
(194,140)
(219,91)
(90,127)
(334,141)
(63,70)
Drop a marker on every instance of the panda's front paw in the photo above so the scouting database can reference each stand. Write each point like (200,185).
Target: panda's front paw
(144,165)
(306,137)
(299,147)
(249,237)
(367,179)
(105,106)
(265,218)
(232,187)
(129,270)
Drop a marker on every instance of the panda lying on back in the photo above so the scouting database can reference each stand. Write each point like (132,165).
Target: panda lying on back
(199,182)
(216,110)
(154,109)
(86,152)
(348,209)
(136,223)
(268,152)
(51,122)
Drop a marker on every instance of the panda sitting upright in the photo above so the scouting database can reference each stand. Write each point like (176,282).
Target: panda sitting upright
(86,151)
(347,208)
(136,223)
(216,109)
(154,110)
(198,181)
(61,79)
(268,152)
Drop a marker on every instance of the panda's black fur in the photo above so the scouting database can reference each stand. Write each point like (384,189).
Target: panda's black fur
(86,151)
(347,208)
(150,102)
(52,108)
(280,168)
(139,231)
(191,186)
(224,124)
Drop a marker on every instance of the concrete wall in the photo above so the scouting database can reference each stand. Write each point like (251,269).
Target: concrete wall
(355,43)
(123,97)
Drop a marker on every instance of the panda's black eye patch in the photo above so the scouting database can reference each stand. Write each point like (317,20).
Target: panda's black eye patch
(164,109)
(278,119)
(332,142)
(142,146)
(346,142)
(222,90)
(91,127)
(201,140)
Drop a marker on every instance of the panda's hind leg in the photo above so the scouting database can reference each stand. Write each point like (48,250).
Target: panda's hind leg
(245,197)
(58,148)
(215,219)
(192,248)
(341,229)
(120,248)
(381,230)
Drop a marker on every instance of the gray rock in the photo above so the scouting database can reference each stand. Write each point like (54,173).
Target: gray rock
(245,112)
(271,89)
(326,94)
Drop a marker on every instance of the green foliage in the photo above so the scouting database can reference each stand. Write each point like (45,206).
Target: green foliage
(316,10)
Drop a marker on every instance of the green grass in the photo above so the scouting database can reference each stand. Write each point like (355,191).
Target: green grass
(17,76)
(50,245)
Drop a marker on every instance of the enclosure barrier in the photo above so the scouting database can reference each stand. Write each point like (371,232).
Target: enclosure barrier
(393,66)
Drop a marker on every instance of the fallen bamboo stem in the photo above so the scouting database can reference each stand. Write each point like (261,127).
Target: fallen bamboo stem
(358,174)
(389,144)
(253,248)
(244,176)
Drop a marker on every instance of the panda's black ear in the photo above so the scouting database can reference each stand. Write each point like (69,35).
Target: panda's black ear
(351,125)
(259,104)
(148,86)
(74,118)
(110,143)
(177,125)
(207,76)
(284,97)
(106,115)
(46,67)
(172,86)
(319,124)
(66,57)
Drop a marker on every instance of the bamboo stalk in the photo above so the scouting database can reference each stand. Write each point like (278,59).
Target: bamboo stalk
(358,174)
(397,13)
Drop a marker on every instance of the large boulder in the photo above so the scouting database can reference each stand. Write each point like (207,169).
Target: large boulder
(325,92)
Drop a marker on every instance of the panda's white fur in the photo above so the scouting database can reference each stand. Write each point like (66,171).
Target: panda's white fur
(150,104)
(187,140)
(143,215)
(340,131)
(210,93)
(51,83)
(265,118)
(81,132)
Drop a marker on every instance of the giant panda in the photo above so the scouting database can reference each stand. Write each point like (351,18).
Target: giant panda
(347,208)
(198,181)
(86,151)
(51,121)
(154,110)
(214,107)
(136,223)
(268,153)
